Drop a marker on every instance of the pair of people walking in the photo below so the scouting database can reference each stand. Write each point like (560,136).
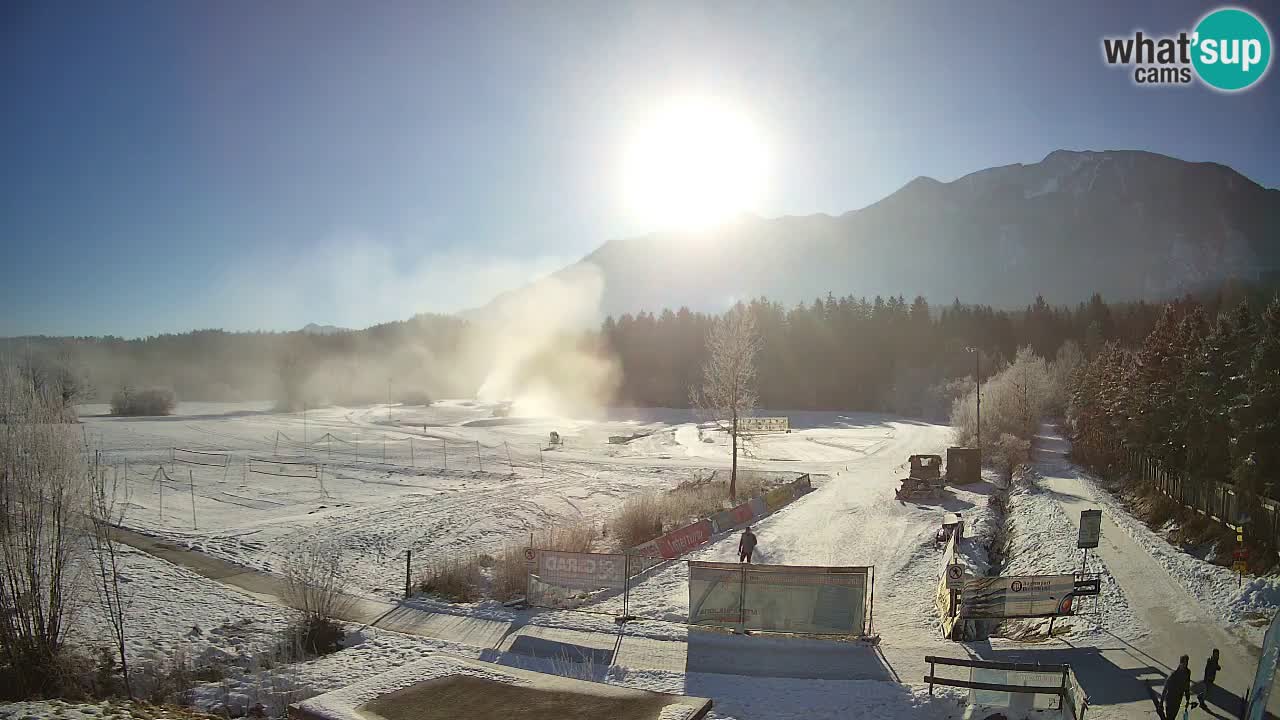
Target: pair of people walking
(1178,685)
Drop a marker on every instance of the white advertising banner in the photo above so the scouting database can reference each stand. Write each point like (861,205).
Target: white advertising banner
(1022,596)
(565,579)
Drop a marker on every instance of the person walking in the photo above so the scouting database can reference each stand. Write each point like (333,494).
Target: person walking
(1211,668)
(746,545)
(1176,687)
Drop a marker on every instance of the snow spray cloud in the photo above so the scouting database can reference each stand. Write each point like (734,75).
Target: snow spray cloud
(536,352)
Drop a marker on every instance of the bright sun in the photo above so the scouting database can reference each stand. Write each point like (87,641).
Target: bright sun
(693,164)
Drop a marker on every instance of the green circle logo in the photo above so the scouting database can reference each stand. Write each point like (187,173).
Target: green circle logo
(1232,49)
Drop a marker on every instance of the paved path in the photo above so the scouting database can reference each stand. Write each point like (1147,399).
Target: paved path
(1177,622)
(704,652)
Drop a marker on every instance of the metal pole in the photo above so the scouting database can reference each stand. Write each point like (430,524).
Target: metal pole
(542,470)
(159,472)
(384,449)
(871,613)
(412,461)
(408,557)
(192,483)
(276,450)
(479,462)
(444,444)
(304,425)
(977,380)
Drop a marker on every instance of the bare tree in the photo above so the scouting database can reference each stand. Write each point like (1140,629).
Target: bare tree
(105,514)
(728,391)
(44,491)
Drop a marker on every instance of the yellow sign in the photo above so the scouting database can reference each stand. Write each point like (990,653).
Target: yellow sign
(1241,567)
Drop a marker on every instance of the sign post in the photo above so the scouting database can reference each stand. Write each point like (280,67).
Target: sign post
(1240,557)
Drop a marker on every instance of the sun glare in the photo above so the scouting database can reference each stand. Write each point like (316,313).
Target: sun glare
(694,164)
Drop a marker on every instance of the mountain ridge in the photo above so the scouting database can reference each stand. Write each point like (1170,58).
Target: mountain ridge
(1130,224)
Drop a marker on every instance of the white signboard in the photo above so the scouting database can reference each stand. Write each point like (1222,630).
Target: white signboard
(584,571)
(764,424)
(1021,596)
(1090,529)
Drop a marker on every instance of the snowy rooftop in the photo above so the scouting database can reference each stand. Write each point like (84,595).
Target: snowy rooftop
(448,686)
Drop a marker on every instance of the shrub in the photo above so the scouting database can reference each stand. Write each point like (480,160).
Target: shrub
(150,401)
(319,635)
(314,577)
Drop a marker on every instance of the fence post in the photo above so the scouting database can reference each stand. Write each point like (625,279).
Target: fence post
(510,466)
(932,672)
(191,482)
(542,470)
(384,449)
(742,598)
(412,461)
(408,558)
(160,485)
(444,444)
(479,462)
(276,449)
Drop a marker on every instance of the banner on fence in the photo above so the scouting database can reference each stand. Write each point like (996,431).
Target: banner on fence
(943,595)
(778,497)
(764,424)
(678,542)
(779,598)
(564,579)
(1021,596)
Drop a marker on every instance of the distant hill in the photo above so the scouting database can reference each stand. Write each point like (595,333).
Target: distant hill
(1128,224)
(314,329)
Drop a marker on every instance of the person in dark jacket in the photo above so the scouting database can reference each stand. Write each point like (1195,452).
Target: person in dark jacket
(746,545)
(1176,687)
(1211,668)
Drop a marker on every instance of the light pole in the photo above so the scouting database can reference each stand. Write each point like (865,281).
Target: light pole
(977,389)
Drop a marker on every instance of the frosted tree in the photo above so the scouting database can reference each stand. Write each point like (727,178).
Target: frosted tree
(728,391)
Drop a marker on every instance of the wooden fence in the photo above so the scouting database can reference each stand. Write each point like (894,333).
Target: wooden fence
(1216,500)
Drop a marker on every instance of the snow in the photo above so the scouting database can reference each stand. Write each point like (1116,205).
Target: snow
(1218,590)
(1044,543)
(172,612)
(41,709)
(376,509)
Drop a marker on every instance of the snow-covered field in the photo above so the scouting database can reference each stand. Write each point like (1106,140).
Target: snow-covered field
(454,476)
(379,481)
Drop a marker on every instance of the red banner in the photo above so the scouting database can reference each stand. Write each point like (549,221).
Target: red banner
(678,542)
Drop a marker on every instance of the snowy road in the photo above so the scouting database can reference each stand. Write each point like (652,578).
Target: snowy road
(1175,620)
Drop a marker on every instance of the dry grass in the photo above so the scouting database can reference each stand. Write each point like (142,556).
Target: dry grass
(462,579)
(456,578)
(645,517)
(639,520)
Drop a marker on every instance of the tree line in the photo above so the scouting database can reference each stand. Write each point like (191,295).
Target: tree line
(1200,394)
(851,353)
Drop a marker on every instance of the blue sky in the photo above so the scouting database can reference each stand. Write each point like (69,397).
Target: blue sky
(170,166)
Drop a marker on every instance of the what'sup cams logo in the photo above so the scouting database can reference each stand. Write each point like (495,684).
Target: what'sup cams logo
(1229,50)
